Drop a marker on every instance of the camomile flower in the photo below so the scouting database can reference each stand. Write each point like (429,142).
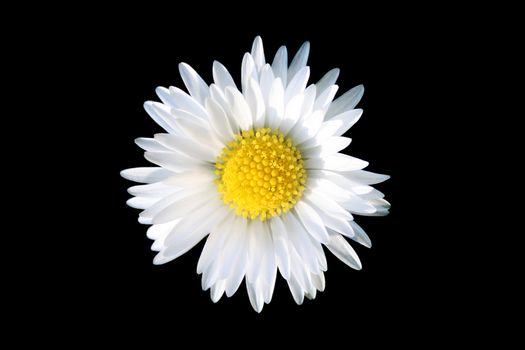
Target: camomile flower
(256,169)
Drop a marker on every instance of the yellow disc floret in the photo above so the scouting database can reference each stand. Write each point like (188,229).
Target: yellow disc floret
(260,174)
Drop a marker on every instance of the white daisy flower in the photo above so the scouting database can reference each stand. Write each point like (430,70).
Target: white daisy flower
(257,170)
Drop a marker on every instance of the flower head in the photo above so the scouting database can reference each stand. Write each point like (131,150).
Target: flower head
(258,171)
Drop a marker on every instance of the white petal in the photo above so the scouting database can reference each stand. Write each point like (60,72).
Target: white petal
(157,189)
(190,230)
(248,71)
(255,253)
(255,294)
(297,84)
(311,221)
(360,235)
(309,100)
(231,251)
(217,290)
(295,288)
(258,53)
(196,86)
(327,80)
(292,113)
(308,128)
(334,223)
(331,146)
(324,187)
(319,281)
(188,147)
(366,177)
(215,242)
(219,97)
(299,60)
(326,130)
(343,251)
(280,241)
(142,202)
(149,144)
(275,112)
(145,174)
(324,99)
(182,207)
(172,161)
(280,64)
(219,121)
(239,108)
(337,162)
(179,195)
(357,205)
(239,268)
(160,114)
(342,181)
(190,178)
(222,77)
(347,101)
(267,79)
(159,232)
(255,100)
(183,101)
(268,265)
(349,118)
(298,237)
(327,205)
(199,132)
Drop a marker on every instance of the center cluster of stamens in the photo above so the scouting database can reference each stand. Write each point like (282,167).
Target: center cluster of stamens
(260,174)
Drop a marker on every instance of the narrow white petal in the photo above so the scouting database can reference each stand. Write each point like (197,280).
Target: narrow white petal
(360,235)
(258,53)
(182,207)
(173,161)
(157,232)
(219,97)
(349,118)
(275,112)
(157,189)
(219,121)
(196,86)
(311,221)
(280,64)
(183,101)
(292,113)
(366,177)
(324,99)
(190,178)
(239,108)
(346,102)
(326,131)
(188,146)
(327,205)
(327,80)
(267,79)
(308,128)
(337,162)
(255,253)
(222,77)
(199,133)
(299,60)
(319,281)
(297,84)
(295,288)
(160,114)
(342,181)
(331,146)
(145,174)
(255,100)
(343,251)
(239,268)
(280,241)
(309,100)
(217,290)
(215,242)
(255,294)
(248,71)
(268,265)
(298,237)
(142,202)
(149,144)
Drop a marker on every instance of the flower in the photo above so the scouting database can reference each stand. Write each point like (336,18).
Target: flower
(257,170)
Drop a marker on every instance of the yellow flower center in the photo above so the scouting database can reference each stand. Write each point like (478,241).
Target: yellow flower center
(260,174)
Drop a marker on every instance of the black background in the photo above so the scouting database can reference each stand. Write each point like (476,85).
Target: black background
(110,62)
